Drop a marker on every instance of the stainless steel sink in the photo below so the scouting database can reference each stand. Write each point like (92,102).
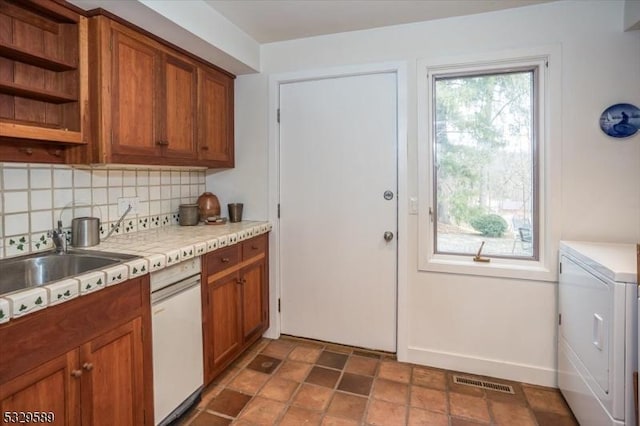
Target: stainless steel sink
(41,268)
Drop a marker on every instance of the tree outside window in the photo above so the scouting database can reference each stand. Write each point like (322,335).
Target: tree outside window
(485,167)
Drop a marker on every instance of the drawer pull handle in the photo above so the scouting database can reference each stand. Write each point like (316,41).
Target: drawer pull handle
(254,247)
(163,143)
(225,260)
(76,373)
(87,366)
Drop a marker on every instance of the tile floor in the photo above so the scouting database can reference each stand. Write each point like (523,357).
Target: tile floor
(299,382)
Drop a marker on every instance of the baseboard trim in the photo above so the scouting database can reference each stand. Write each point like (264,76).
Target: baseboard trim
(483,366)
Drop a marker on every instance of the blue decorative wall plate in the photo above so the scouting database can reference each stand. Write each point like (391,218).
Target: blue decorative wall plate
(620,120)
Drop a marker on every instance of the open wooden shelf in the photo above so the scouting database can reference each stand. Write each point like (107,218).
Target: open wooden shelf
(37,94)
(21,131)
(20,54)
(44,81)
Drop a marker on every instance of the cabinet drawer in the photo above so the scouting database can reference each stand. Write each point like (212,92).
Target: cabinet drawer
(221,259)
(254,247)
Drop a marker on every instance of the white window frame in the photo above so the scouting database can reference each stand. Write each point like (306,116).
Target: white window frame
(549,132)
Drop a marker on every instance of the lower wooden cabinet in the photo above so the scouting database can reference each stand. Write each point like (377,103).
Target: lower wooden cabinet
(254,302)
(235,302)
(225,339)
(112,391)
(50,389)
(86,361)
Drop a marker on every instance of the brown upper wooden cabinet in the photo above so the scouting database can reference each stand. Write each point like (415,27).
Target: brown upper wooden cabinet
(179,107)
(215,107)
(143,98)
(43,80)
(99,90)
(148,105)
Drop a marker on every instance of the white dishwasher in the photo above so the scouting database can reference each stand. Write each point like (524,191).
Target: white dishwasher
(177,339)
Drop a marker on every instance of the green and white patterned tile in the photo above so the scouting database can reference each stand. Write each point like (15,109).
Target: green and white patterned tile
(232,239)
(27,301)
(173,257)
(16,246)
(116,274)
(138,267)
(187,252)
(156,262)
(154,221)
(129,226)
(201,248)
(144,223)
(5,310)
(93,281)
(212,244)
(64,290)
(41,242)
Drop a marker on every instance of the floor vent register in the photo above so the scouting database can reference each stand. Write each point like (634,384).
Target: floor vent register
(498,387)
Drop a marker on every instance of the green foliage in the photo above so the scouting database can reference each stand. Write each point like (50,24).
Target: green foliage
(482,153)
(490,225)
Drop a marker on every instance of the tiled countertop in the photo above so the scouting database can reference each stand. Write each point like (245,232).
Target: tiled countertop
(158,248)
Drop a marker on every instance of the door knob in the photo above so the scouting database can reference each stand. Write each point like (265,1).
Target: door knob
(87,366)
(388,236)
(76,373)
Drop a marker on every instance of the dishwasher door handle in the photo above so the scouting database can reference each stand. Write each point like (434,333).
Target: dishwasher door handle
(173,289)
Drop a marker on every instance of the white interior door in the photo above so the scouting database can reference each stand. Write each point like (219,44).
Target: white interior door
(338,156)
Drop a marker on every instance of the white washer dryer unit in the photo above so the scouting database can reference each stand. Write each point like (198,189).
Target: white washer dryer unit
(597,332)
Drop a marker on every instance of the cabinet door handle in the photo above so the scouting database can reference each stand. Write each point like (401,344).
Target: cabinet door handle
(225,260)
(87,366)
(254,247)
(241,281)
(204,148)
(76,373)
(162,143)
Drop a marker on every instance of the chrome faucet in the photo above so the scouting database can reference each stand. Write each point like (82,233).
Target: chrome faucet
(59,239)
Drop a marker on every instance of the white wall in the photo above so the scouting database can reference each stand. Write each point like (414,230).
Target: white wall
(499,327)
(631,15)
(247,183)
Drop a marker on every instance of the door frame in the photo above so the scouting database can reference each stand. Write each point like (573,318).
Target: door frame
(403,238)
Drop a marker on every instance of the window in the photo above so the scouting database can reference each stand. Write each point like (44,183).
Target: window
(488,170)
(485,184)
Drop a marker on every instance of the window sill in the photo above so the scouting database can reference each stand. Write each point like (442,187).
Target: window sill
(499,268)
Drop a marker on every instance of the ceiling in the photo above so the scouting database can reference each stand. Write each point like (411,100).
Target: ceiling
(269,21)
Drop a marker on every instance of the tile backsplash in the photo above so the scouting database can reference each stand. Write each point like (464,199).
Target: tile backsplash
(35,196)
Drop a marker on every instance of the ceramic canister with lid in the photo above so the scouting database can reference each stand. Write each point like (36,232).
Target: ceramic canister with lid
(208,205)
